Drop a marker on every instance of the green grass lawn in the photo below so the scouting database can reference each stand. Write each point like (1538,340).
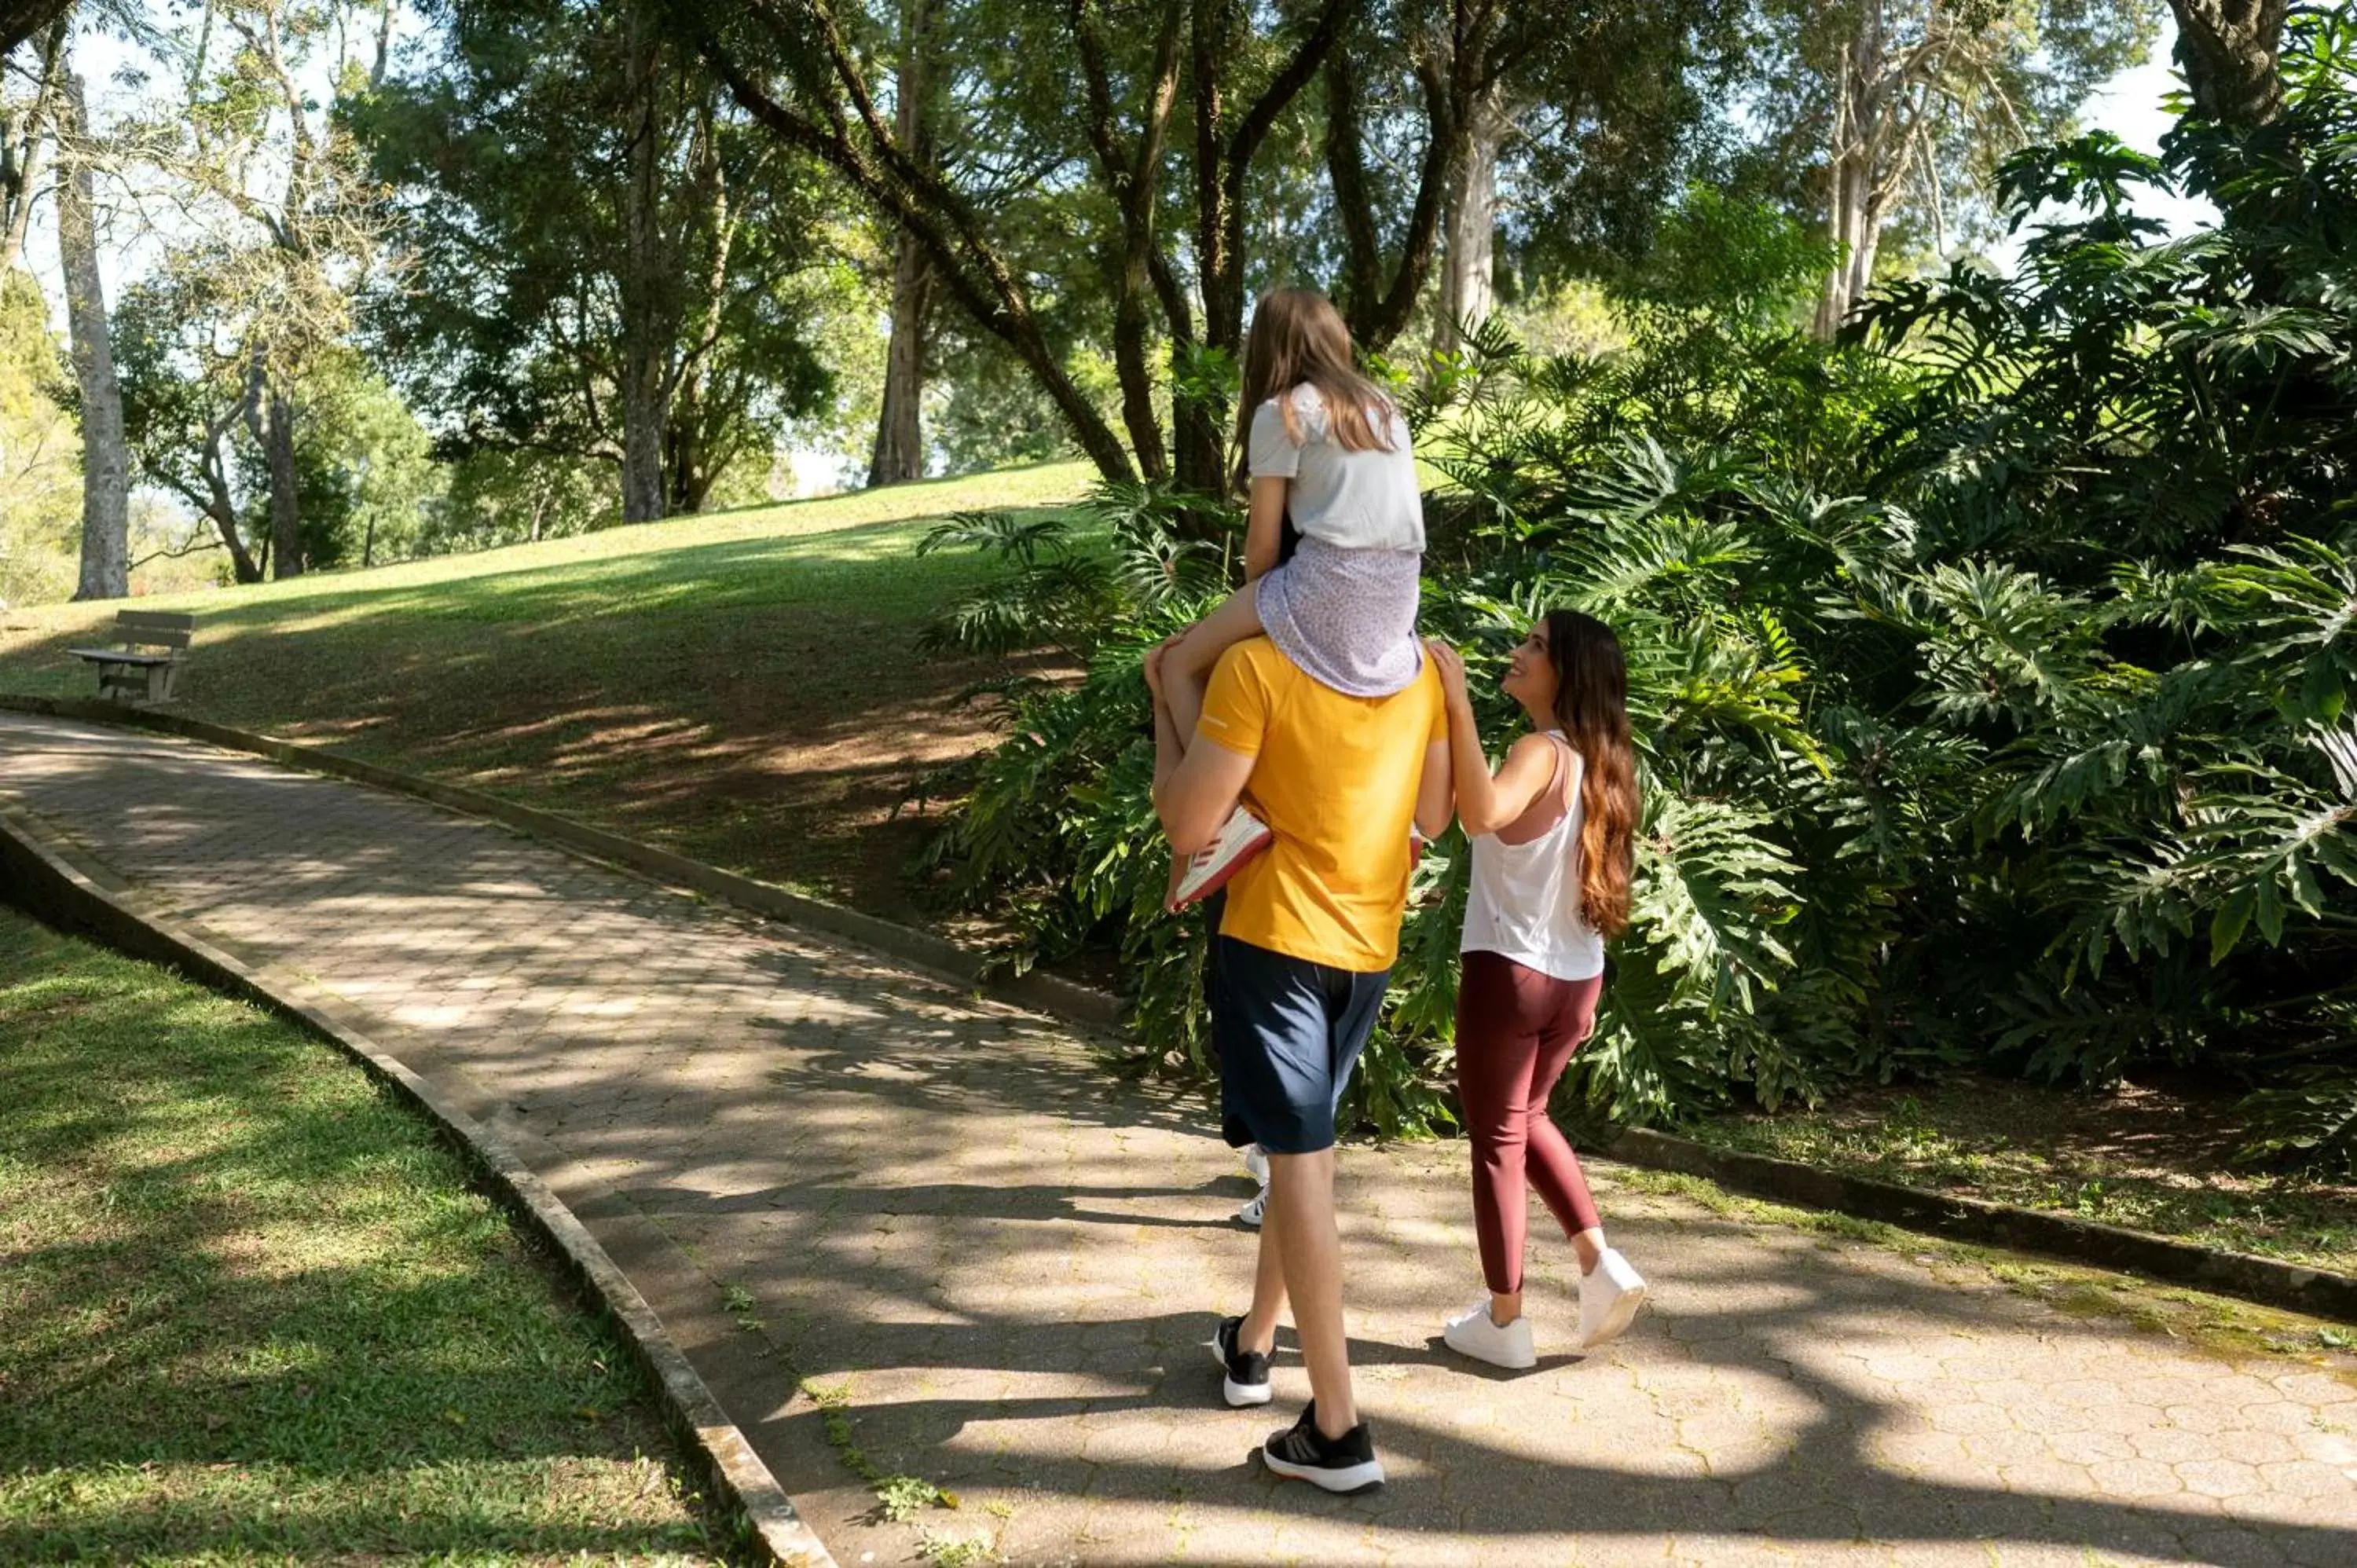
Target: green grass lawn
(2146,1158)
(251,1311)
(743,688)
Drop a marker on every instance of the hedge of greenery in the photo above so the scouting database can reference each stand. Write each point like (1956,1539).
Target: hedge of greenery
(1991,666)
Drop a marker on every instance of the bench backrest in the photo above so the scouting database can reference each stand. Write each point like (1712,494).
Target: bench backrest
(154,628)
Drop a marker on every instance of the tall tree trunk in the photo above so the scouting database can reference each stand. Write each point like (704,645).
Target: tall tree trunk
(1380,294)
(971,268)
(218,504)
(105,460)
(1134,176)
(1874,210)
(644,283)
(1197,442)
(693,458)
(2230,51)
(1224,148)
(1853,227)
(25,132)
(899,453)
(286,501)
(696,444)
(1850,172)
(1469,216)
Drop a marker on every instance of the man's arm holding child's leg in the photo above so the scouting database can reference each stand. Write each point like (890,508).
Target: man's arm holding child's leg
(1195,787)
(1435,794)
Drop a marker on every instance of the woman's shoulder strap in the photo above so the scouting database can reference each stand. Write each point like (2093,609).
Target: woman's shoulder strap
(1567,766)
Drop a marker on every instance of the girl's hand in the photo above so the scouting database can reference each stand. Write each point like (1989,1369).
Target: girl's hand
(1153,665)
(1449,665)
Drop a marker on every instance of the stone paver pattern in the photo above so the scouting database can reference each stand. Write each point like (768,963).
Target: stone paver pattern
(827,1171)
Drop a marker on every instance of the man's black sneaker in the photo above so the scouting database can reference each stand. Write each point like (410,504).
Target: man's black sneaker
(1344,1464)
(1246,1382)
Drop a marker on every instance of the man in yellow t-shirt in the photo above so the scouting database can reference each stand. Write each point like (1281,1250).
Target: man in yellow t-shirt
(1305,950)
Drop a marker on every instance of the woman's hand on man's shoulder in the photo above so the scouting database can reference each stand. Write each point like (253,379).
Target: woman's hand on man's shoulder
(1449,665)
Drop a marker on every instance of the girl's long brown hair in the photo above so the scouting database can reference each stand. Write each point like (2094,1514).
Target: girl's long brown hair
(1297,336)
(1592,705)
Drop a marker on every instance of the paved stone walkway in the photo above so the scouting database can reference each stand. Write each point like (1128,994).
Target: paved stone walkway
(819,1165)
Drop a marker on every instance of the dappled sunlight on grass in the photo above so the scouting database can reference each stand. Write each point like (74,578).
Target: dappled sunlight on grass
(743,688)
(1031,486)
(249,1305)
(2148,1157)
(538,1510)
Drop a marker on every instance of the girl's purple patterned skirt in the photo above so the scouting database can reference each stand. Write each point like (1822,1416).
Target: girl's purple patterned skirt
(1346,617)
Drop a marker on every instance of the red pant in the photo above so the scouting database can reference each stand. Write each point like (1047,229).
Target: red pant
(1516,1030)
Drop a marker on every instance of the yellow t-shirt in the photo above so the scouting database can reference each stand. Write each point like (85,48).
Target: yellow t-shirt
(1336,781)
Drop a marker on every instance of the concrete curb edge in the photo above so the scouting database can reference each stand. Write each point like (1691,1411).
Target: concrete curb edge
(2267,1282)
(49,883)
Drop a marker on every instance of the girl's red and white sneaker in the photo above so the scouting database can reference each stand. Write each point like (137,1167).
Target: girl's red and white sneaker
(1205,872)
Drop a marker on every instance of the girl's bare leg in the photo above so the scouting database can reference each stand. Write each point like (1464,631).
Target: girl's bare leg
(1187,668)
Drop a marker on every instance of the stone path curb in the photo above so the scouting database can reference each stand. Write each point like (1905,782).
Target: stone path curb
(2268,1282)
(46,879)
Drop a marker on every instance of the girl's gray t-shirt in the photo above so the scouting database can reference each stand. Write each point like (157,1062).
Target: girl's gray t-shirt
(1354,501)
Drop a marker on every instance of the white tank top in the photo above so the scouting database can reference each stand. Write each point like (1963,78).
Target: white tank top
(1524,900)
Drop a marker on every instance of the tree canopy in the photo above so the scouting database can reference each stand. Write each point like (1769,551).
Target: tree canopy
(506,151)
(665,241)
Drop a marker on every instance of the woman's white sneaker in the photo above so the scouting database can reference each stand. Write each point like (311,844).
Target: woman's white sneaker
(1610,1295)
(1474,1333)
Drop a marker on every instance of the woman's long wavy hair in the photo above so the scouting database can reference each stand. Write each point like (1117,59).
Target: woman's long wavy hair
(1297,336)
(1592,705)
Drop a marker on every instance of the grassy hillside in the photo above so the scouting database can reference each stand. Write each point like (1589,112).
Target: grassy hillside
(743,688)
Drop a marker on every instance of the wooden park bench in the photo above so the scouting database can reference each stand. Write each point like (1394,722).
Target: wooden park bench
(145,665)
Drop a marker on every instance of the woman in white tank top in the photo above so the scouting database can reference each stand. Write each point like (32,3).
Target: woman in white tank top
(1551,832)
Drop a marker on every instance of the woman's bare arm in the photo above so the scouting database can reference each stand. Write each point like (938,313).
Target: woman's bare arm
(1486,802)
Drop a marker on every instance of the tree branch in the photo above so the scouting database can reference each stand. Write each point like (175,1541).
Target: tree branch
(1376,321)
(924,204)
(1346,168)
(1088,32)
(20,19)
(1295,74)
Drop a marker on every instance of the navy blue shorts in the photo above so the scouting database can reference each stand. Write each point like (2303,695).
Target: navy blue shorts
(1288,1033)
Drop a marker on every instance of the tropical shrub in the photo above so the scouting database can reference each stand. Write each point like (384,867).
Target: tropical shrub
(1990,668)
